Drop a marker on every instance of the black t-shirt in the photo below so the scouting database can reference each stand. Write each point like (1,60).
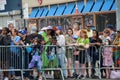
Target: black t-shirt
(92,40)
(5,40)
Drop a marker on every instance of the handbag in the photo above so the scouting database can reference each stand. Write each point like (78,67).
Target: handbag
(115,74)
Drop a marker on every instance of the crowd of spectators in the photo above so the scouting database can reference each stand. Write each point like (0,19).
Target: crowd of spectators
(65,50)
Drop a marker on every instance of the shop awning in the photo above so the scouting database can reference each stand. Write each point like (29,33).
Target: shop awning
(88,6)
(114,6)
(97,6)
(107,5)
(39,12)
(60,10)
(80,7)
(34,12)
(45,11)
(52,10)
(69,8)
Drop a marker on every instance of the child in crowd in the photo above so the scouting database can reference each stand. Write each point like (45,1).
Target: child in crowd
(36,62)
(107,57)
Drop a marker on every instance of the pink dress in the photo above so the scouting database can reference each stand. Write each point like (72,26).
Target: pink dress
(107,60)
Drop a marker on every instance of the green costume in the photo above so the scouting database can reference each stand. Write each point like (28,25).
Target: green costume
(44,54)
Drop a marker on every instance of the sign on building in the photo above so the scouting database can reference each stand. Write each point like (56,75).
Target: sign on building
(2,4)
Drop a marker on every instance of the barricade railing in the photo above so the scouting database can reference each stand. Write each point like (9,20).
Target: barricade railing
(55,60)
(11,60)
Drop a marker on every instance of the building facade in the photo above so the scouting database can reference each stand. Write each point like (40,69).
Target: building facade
(98,13)
(12,10)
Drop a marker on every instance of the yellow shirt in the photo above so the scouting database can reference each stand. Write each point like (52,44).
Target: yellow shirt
(90,33)
(117,41)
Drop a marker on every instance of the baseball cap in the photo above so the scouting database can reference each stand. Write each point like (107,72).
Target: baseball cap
(110,26)
(57,28)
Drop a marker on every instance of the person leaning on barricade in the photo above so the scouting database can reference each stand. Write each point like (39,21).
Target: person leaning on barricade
(36,62)
(75,36)
(69,50)
(107,53)
(5,40)
(28,40)
(116,49)
(47,34)
(15,54)
(82,44)
(60,49)
(95,43)
(48,56)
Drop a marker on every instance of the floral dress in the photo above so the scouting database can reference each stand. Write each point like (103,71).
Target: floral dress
(107,56)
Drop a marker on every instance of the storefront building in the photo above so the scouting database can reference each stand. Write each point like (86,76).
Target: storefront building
(97,13)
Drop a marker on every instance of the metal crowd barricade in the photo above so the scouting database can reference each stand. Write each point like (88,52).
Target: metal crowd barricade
(11,60)
(86,56)
(69,53)
(17,58)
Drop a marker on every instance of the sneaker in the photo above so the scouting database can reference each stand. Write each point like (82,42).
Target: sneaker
(49,76)
(81,77)
(75,75)
(94,77)
(70,76)
(103,76)
(35,74)
(65,77)
(39,78)
(6,78)
(31,77)
(87,76)
(17,77)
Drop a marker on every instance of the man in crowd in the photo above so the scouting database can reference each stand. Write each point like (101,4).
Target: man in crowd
(112,32)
